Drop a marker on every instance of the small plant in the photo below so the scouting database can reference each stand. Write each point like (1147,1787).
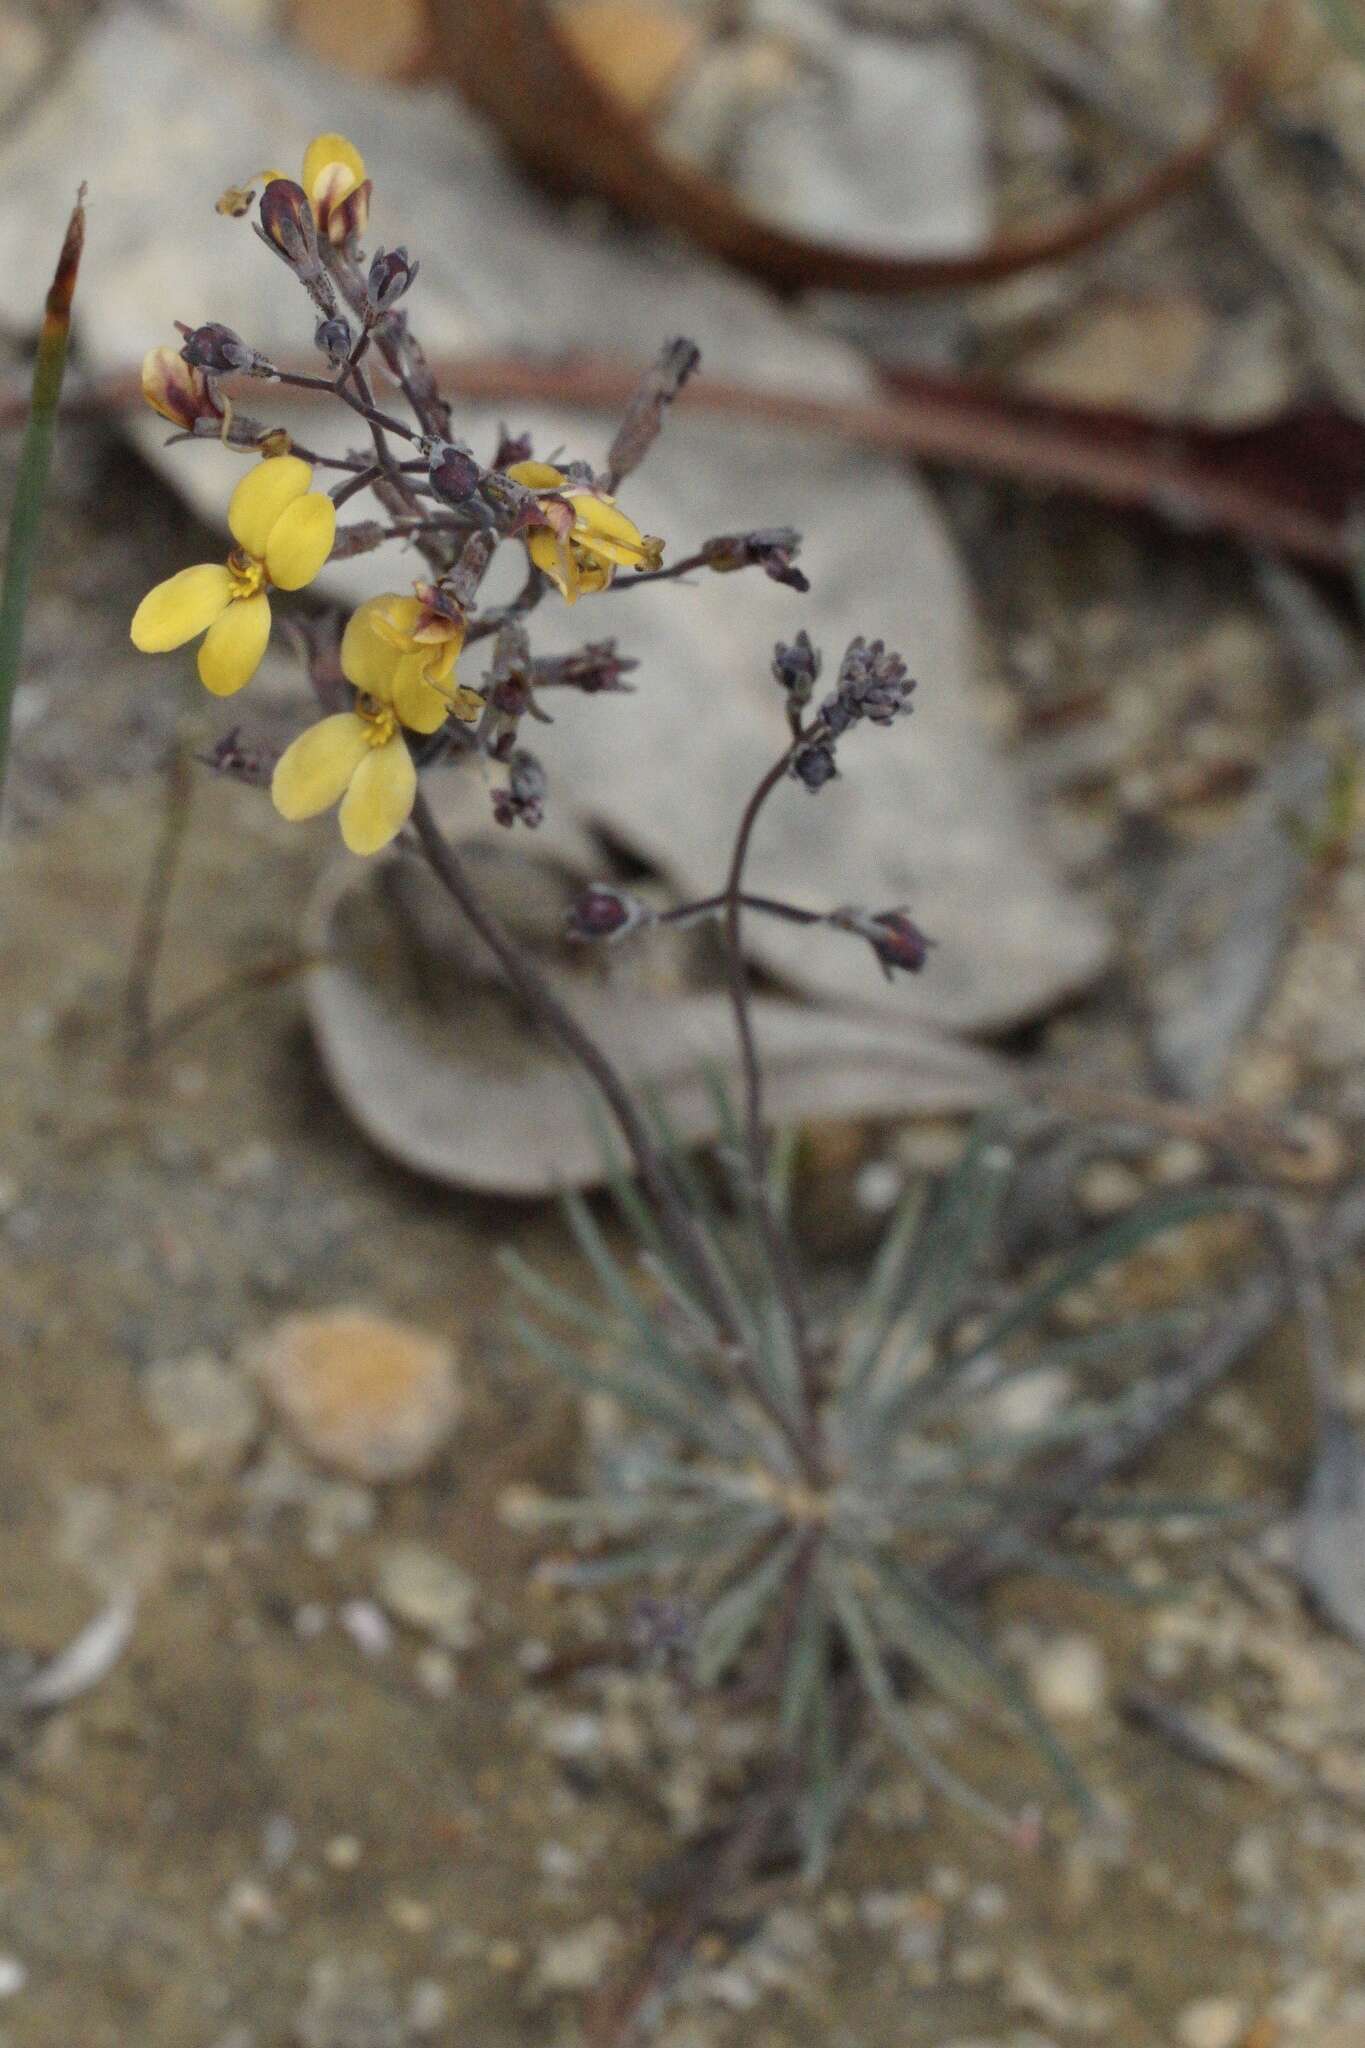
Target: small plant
(820,1528)
(822,1489)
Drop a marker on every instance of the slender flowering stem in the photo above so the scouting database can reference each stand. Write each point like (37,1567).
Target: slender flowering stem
(775,1236)
(34,461)
(671,1210)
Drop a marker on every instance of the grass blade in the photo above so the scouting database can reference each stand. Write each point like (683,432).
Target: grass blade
(35,459)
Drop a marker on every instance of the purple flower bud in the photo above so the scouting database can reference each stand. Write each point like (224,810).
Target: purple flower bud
(897,942)
(873,682)
(334,338)
(523,797)
(217,349)
(771,548)
(814,765)
(287,223)
(602,912)
(453,474)
(390,276)
(797,668)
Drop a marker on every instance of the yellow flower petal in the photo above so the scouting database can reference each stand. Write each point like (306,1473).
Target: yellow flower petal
(594,516)
(231,650)
(317,767)
(420,707)
(379,801)
(322,153)
(370,654)
(174,611)
(551,556)
(260,498)
(537,476)
(602,548)
(301,540)
(393,617)
(590,573)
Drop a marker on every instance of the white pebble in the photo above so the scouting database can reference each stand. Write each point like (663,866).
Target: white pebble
(1212,2023)
(13,1976)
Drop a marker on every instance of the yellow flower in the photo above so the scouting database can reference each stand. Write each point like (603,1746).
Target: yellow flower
(338,190)
(179,391)
(581,549)
(400,655)
(284,534)
(334,180)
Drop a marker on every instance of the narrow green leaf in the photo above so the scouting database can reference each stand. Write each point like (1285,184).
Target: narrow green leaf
(659,1346)
(807,1664)
(861,1638)
(557,1300)
(645,1396)
(1108,1248)
(1007,1684)
(35,459)
(826,1798)
(876,1312)
(732,1619)
(941,1264)
(1146,1333)
(659,1556)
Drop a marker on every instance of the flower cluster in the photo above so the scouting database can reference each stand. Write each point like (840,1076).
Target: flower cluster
(872,684)
(403,702)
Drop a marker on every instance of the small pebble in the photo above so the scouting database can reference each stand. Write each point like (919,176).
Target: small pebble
(1107,1188)
(367,1626)
(343,1852)
(576,1961)
(428,2008)
(1068,1678)
(364,1395)
(1212,2023)
(427,1591)
(13,1976)
(208,1412)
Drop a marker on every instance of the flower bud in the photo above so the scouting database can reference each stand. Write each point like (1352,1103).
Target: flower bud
(179,391)
(287,223)
(523,797)
(797,668)
(814,765)
(897,942)
(334,337)
(390,276)
(217,348)
(602,912)
(773,549)
(453,474)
